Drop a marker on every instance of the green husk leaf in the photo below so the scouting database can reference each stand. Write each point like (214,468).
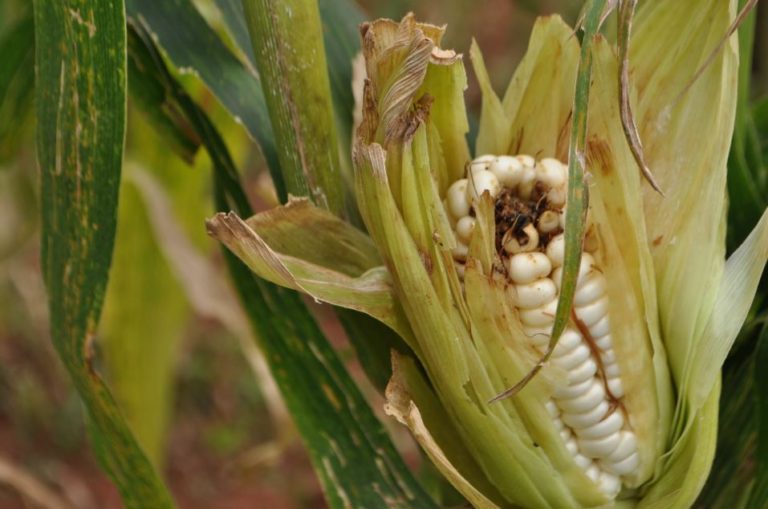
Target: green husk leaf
(734,299)
(414,404)
(494,132)
(686,140)
(81,125)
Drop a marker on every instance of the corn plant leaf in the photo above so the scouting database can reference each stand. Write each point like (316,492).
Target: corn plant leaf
(17,76)
(81,125)
(733,470)
(354,458)
(193,47)
(747,184)
(157,103)
(290,57)
(759,492)
(341,19)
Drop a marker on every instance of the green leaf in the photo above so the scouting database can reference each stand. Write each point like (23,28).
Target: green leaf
(17,78)
(156,101)
(341,19)
(193,47)
(290,57)
(746,165)
(760,487)
(80,49)
(142,286)
(355,459)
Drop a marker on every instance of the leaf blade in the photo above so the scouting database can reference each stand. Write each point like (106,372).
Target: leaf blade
(81,124)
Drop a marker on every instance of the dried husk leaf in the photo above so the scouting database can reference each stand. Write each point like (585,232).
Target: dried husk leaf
(307,248)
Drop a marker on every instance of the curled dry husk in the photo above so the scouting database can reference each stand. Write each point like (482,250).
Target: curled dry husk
(675,303)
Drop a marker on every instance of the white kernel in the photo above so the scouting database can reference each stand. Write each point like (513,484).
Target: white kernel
(601,328)
(577,421)
(508,170)
(456,198)
(573,390)
(599,447)
(569,340)
(526,161)
(625,466)
(548,221)
(572,359)
(583,372)
(585,267)
(590,290)
(557,196)
(582,461)
(528,267)
(612,424)
(593,472)
(535,294)
(585,402)
(542,315)
(482,162)
(594,312)
(552,409)
(608,356)
(627,446)
(464,228)
(460,252)
(530,241)
(460,269)
(609,484)
(552,172)
(611,370)
(559,425)
(565,433)
(616,387)
(527,182)
(571,446)
(480,182)
(556,250)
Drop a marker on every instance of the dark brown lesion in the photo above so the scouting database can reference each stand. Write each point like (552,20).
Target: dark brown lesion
(513,214)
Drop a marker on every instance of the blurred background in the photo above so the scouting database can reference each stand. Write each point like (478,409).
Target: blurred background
(172,341)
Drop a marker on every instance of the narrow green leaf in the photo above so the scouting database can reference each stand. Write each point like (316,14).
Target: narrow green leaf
(760,487)
(290,56)
(578,200)
(355,459)
(81,125)
(17,78)
(156,101)
(192,45)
